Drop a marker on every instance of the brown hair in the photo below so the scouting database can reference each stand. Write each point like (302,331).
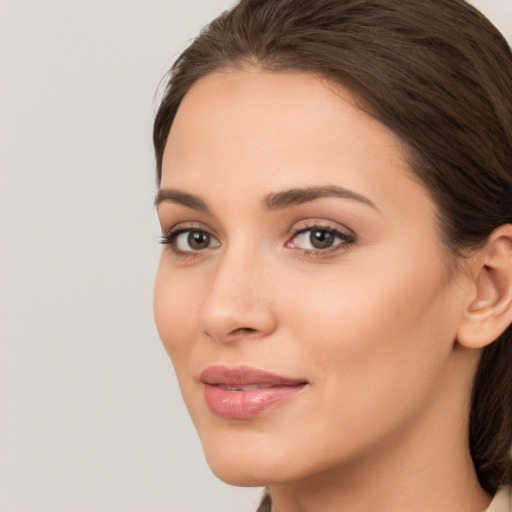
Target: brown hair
(438,74)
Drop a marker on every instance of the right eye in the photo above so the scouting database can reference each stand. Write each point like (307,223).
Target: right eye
(187,241)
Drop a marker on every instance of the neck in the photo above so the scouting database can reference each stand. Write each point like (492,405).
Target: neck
(427,467)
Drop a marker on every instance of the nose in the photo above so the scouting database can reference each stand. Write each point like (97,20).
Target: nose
(239,304)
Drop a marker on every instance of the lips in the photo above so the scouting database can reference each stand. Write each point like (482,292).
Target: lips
(243,393)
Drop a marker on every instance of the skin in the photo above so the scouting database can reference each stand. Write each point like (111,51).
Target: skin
(371,325)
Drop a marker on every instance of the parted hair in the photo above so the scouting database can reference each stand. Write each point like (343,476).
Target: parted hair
(439,75)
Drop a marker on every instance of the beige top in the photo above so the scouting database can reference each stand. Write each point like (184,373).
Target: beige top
(502,502)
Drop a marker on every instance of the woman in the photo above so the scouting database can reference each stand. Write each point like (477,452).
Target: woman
(335,289)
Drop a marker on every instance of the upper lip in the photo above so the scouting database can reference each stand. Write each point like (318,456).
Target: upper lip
(245,376)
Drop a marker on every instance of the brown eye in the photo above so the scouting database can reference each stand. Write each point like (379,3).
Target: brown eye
(198,240)
(190,240)
(321,239)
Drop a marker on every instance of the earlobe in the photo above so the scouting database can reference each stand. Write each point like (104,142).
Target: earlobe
(489,309)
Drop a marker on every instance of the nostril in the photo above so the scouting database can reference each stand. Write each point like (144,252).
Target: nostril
(243,330)
(235,334)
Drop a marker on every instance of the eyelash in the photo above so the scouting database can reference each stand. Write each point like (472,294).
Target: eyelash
(346,240)
(170,239)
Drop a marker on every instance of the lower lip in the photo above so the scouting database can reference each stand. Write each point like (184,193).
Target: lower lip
(243,405)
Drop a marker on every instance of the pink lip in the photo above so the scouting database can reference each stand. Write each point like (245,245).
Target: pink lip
(243,393)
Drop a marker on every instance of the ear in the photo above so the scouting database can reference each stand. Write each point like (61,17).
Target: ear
(489,309)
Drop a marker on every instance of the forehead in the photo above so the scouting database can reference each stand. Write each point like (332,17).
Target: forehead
(264,103)
(253,131)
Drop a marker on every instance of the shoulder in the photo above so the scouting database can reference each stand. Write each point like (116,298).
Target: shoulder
(502,502)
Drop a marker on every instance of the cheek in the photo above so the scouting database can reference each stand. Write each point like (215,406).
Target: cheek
(386,334)
(175,309)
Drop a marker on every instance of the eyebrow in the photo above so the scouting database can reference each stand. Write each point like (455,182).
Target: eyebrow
(297,196)
(273,201)
(175,196)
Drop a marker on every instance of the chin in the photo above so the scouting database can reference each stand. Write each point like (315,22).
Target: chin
(244,464)
(233,474)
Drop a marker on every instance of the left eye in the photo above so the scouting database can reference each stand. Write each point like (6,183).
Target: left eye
(318,239)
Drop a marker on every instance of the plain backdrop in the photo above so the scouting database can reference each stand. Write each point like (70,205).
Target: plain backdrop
(91,416)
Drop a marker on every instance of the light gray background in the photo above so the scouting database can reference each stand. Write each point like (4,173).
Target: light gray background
(91,417)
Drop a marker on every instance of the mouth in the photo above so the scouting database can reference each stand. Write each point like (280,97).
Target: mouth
(243,393)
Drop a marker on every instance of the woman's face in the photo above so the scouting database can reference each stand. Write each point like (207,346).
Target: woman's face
(303,294)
